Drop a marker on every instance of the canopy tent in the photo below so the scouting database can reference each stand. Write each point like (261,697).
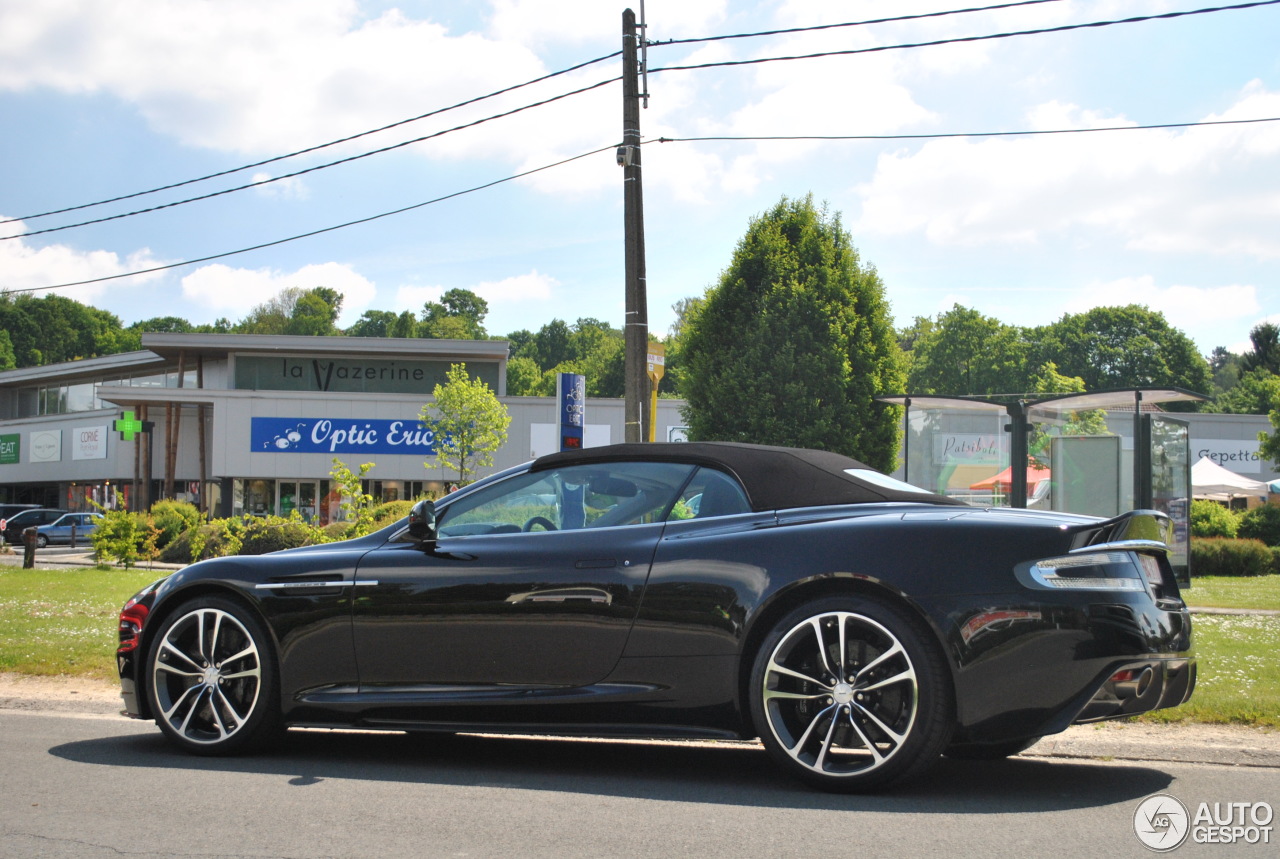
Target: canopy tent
(1005,478)
(1210,480)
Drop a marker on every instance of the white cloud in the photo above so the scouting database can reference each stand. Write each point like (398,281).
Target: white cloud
(1186,307)
(224,76)
(413,297)
(520,288)
(235,291)
(27,267)
(1207,190)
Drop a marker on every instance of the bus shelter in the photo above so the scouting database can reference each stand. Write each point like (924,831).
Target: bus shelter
(1099,454)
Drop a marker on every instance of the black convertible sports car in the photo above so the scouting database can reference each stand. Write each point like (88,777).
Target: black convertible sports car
(859,626)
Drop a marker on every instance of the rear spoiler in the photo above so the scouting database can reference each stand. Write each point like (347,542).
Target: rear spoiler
(1147,525)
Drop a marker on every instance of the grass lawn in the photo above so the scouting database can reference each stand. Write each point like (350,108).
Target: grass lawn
(1234,592)
(64,622)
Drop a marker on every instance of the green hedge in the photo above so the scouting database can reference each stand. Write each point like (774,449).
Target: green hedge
(273,533)
(1261,523)
(1224,557)
(1211,519)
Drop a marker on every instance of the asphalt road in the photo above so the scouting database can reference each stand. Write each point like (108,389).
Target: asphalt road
(93,786)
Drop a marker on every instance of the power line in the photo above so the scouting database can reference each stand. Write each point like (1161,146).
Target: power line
(818,27)
(317,147)
(313,169)
(945,135)
(318,232)
(959,40)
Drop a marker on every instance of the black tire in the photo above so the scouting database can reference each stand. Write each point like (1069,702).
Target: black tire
(212,679)
(884,718)
(41,541)
(989,751)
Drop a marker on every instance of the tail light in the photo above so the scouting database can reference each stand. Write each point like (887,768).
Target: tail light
(132,618)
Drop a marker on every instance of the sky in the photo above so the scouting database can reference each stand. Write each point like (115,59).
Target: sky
(101,100)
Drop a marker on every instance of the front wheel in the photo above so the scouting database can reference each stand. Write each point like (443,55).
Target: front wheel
(212,678)
(849,694)
(41,541)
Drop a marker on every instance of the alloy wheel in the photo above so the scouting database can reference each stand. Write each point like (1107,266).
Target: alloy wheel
(206,676)
(840,694)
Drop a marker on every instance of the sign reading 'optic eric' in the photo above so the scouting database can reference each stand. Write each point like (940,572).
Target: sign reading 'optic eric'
(341,435)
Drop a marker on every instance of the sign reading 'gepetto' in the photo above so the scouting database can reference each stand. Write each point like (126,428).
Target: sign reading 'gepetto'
(341,435)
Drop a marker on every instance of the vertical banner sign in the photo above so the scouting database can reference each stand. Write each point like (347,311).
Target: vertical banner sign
(657,366)
(571,403)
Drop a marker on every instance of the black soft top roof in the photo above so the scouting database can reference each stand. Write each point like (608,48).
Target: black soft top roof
(773,477)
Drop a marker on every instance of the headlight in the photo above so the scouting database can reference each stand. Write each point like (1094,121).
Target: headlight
(1091,571)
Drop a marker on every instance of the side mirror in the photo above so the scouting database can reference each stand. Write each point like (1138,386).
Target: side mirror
(422,521)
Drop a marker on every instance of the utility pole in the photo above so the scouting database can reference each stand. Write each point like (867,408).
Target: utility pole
(636,332)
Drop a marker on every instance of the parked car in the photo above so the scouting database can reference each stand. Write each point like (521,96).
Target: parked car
(859,626)
(60,530)
(7,510)
(27,518)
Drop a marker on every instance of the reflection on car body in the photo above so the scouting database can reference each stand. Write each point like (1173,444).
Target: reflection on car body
(859,626)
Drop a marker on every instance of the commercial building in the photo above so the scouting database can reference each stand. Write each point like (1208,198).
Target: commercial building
(252,423)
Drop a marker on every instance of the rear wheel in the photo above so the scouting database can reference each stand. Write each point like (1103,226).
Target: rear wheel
(849,694)
(212,678)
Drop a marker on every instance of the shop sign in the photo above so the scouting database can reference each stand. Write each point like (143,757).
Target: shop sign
(968,449)
(1236,455)
(10,448)
(341,435)
(89,442)
(46,446)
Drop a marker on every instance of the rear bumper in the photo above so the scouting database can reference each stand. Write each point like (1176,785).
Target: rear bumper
(1140,686)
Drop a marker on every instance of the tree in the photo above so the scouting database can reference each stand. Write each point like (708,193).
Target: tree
(1226,368)
(964,352)
(7,359)
(469,421)
(295,310)
(1266,349)
(458,315)
(794,343)
(1122,347)
(1256,393)
(372,323)
(405,325)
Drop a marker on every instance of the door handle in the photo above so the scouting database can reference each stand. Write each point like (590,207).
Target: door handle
(595,564)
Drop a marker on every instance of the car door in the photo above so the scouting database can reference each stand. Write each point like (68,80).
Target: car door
(534,581)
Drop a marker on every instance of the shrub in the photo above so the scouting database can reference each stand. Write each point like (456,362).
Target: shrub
(385,514)
(336,531)
(1223,557)
(173,518)
(1261,523)
(212,539)
(273,533)
(125,537)
(1211,519)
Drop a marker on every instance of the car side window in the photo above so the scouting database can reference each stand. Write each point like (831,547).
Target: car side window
(710,493)
(579,496)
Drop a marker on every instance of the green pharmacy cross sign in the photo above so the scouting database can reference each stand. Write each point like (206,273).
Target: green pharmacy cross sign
(129,426)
